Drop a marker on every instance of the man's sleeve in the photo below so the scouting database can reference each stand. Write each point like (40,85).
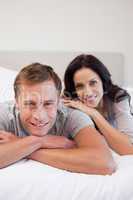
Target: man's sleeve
(4,118)
(76,121)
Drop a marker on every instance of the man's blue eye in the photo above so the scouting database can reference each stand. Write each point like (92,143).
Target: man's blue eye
(29,104)
(48,104)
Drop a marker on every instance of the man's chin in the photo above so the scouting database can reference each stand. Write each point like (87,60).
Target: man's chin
(39,133)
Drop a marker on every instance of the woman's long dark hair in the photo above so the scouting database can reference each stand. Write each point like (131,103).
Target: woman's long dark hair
(112,92)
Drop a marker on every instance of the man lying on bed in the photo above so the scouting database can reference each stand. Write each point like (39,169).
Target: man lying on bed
(39,127)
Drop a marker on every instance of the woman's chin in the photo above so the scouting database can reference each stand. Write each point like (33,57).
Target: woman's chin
(91,105)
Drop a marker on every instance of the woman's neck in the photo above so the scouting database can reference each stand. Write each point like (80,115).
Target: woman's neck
(102,108)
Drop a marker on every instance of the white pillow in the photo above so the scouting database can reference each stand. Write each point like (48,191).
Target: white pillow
(7,77)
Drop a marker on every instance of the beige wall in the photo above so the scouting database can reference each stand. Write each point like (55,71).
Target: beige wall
(72,25)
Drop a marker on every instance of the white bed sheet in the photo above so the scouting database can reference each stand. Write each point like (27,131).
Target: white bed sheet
(31,180)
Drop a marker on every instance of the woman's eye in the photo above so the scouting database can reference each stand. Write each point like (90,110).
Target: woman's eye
(92,83)
(79,87)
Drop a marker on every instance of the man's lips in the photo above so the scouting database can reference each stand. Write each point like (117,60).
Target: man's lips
(39,125)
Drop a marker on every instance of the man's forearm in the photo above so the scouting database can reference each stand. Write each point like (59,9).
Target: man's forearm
(13,148)
(13,151)
(57,142)
(81,160)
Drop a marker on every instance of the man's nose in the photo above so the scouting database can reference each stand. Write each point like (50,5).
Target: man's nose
(40,114)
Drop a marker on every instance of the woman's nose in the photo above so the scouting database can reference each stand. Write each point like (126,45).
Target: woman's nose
(88,91)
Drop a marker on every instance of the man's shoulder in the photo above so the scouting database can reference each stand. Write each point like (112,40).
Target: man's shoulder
(67,111)
(8,105)
(74,120)
(7,108)
(72,113)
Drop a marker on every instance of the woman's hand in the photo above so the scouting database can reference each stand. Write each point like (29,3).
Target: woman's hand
(79,105)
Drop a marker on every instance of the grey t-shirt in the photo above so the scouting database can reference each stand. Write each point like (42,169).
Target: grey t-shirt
(68,121)
(123,119)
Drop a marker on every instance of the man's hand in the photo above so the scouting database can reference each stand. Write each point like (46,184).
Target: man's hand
(54,142)
(7,137)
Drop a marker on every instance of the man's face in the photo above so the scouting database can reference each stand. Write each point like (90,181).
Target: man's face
(37,105)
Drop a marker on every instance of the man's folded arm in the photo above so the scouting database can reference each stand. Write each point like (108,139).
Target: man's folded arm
(13,148)
(91,155)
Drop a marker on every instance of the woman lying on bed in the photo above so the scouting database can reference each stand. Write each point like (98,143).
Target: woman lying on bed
(89,88)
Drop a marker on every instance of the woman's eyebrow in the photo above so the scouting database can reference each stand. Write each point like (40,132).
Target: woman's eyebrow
(91,79)
(79,84)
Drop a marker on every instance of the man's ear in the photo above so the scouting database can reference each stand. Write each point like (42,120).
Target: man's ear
(16,103)
(59,99)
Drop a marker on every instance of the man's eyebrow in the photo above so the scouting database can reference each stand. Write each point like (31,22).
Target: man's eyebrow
(29,101)
(49,101)
(34,102)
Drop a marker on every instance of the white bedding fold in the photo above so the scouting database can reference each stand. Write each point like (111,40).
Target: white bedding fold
(31,180)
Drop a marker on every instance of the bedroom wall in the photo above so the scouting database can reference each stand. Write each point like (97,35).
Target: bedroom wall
(73,25)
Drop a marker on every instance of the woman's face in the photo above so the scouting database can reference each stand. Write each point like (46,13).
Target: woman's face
(89,87)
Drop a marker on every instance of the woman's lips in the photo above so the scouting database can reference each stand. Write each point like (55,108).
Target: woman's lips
(90,99)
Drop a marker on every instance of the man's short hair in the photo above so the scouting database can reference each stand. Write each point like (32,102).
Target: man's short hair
(36,73)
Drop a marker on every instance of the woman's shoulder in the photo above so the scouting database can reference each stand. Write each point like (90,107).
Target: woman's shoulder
(122,106)
(123,102)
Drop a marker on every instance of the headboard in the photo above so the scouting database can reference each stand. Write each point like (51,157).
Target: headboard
(10,61)
(59,61)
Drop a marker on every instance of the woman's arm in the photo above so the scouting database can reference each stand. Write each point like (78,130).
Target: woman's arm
(117,140)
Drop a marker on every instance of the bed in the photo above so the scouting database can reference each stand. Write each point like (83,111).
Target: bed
(31,180)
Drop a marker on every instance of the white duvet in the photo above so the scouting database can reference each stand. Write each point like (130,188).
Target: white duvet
(31,180)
